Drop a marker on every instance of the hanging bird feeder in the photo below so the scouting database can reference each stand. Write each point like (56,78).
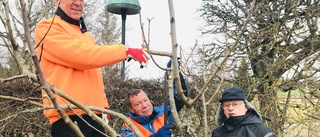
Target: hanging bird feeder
(131,7)
(124,8)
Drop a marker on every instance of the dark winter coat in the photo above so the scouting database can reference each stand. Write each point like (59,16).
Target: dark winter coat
(248,125)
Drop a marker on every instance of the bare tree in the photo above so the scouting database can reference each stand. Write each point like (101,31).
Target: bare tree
(205,90)
(280,39)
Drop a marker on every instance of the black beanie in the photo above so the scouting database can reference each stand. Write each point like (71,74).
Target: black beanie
(233,94)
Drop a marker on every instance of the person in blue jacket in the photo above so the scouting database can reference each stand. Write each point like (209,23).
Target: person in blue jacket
(147,118)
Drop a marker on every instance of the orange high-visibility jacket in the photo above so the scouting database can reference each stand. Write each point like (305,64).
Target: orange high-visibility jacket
(71,62)
(156,124)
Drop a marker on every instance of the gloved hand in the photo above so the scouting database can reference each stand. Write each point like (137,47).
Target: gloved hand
(105,118)
(138,55)
(164,131)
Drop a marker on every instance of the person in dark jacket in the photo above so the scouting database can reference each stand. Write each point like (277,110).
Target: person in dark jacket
(236,117)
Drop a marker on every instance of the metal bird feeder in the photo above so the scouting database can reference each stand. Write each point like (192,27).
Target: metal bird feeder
(124,8)
(130,7)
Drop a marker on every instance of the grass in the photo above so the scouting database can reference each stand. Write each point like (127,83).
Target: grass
(293,93)
(299,124)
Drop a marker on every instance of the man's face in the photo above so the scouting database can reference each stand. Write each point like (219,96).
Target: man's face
(73,8)
(141,105)
(234,108)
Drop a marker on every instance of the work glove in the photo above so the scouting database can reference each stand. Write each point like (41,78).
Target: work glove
(137,55)
(164,131)
(105,118)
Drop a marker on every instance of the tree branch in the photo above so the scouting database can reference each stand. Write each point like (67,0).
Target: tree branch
(41,75)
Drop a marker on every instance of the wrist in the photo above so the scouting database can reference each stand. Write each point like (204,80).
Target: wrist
(127,49)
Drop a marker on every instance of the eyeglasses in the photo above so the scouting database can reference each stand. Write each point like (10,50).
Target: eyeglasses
(233,104)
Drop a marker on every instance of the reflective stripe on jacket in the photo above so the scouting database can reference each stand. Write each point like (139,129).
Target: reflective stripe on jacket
(156,125)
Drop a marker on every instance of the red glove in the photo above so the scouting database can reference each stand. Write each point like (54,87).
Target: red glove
(138,55)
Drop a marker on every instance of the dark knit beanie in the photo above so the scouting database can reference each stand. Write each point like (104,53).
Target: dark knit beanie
(233,94)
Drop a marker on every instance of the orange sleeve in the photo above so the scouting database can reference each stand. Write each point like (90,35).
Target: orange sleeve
(67,46)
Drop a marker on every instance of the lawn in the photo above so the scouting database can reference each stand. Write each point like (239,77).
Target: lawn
(298,124)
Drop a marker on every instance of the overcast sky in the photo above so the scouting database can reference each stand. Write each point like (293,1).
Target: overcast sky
(187,28)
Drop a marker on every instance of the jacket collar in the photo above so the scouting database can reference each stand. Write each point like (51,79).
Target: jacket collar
(66,18)
(220,117)
(143,120)
(236,121)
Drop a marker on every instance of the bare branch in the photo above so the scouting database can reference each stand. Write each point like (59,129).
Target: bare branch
(175,67)
(311,115)
(203,90)
(146,45)
(8,22)
(41,75)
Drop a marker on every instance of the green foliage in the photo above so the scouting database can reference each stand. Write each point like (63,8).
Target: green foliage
(9,69)
(13,68)
(3,71)
(296,93)
(106,29)
(244,79)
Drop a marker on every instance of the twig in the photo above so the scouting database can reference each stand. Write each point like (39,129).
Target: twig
(311,115)
(88,109)
(189,56)
(21,112)
(146,45)
(22,100)
(189,102)
(93,108)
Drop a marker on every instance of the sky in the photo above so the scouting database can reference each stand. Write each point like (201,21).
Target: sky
(187,29)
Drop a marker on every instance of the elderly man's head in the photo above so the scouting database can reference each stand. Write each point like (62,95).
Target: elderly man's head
(232,102)
(139,103)
(73,8)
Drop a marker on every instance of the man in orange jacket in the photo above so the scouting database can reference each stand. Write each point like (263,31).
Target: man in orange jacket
(71,62)
(149,119)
